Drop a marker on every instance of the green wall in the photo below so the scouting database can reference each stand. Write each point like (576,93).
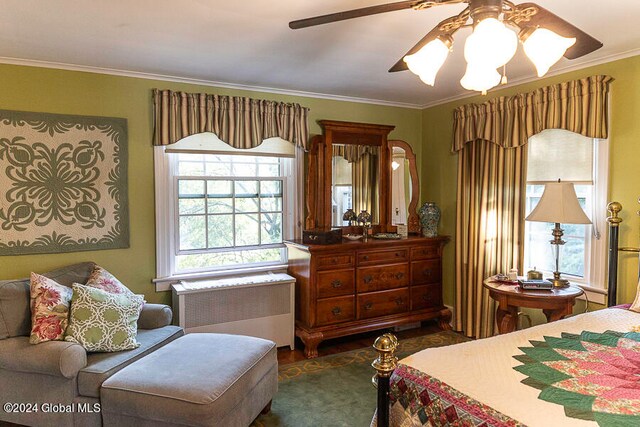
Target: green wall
(71,92)
(439,166)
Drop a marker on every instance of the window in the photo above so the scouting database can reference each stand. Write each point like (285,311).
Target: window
(229,211)
(221,209)
(559,154)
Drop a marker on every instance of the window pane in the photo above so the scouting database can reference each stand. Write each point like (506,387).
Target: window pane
(192,232)
(271,228)
(269,169)
(246,189)
(247,230)
(219,188)
(247,204)
(191,168)
(218,168)
(271,204)
(572,257)
(215,206)
(191,206)
(220,231)
(244,169)
(271,188)
(189,188)
(218,259)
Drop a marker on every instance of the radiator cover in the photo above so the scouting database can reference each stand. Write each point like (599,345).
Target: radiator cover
(256,305)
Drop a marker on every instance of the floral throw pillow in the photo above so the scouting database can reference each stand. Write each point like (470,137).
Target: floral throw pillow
(49,309)
(103,321)
(102,279)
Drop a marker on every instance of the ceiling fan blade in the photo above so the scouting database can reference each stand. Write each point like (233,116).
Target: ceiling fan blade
(584,42)
(431,35)
(350,14)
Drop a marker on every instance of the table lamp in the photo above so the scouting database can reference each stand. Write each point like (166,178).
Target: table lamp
(559,204)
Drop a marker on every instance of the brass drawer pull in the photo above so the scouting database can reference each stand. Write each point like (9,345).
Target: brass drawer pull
(336,283)
(334,260)
(425,297)
(368,278)
(398,254)
(399,275)
(399,301)
(366,257)
(427,272)
(336,311)
(368,306)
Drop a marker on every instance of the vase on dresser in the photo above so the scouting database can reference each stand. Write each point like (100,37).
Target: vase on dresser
(429,217)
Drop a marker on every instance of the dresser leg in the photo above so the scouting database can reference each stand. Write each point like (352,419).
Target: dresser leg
(444,321)
(311,341)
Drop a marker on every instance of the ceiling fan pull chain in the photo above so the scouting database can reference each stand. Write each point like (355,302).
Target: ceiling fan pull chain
(504,80)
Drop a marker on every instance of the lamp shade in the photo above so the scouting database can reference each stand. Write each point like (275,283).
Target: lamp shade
(559,203)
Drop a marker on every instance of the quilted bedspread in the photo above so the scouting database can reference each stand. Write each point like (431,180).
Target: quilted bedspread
(581,371)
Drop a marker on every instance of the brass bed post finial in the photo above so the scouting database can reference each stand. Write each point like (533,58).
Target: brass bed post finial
(384,364)
(614,209)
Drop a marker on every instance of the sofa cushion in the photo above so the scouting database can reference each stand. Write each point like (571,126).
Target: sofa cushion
(49,309)
(15,314)
(102,279)
(101,366)
(57,358)
(154,316)
(196,380)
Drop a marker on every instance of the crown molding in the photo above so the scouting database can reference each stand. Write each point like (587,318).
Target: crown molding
(212,83)
(555,72)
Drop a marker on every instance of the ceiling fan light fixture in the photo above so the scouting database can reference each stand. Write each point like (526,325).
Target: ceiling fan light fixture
(480,78)
(544,47)
(491,44)
(427,61)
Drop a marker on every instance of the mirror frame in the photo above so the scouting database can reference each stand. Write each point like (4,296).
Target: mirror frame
(413,220)
(319,173)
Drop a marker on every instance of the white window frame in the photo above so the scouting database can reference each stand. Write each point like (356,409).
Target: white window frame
(165,169)
(594,282)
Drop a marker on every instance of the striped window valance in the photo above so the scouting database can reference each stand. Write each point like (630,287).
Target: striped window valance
(579,106)
(352,153)
(240,122)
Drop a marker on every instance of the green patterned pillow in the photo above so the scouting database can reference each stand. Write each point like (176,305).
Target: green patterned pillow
(102,321)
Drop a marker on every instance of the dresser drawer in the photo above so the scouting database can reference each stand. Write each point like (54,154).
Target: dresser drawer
(383,303)
(335,310)
(381,278)
(426,296)
(427,271)
(325,262)
(335,283)
(424,252)
(383,257)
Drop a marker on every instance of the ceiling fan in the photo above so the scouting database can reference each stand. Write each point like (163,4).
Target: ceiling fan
(546,38)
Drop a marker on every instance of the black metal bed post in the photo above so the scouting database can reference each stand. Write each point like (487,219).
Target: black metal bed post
(384,364)
(614,226)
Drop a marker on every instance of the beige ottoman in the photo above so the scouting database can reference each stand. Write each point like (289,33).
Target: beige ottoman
(196,380)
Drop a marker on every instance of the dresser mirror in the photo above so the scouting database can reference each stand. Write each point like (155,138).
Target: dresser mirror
(350,166)
(405,188)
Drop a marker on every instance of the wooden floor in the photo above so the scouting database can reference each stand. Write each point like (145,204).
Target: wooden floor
(352,342)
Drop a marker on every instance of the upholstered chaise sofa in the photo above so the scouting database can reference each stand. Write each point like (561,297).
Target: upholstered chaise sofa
(61,373)
(170,380)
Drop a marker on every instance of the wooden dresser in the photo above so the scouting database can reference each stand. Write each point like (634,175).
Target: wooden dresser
(353,287)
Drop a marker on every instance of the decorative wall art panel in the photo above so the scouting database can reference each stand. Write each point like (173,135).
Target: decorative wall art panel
(63,183)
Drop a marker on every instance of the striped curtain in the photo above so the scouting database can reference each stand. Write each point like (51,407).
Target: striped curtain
(238,121)
(491,142)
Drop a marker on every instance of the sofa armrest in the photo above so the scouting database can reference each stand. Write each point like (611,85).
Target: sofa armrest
(154,316)
(56,358)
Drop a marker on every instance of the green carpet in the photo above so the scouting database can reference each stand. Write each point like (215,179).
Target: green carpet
(336,390)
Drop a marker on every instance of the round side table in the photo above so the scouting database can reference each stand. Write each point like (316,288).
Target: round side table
(555,304)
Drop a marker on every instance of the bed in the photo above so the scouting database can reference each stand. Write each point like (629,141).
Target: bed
(579,371)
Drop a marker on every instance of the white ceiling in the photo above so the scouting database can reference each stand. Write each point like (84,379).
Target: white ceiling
(249,43)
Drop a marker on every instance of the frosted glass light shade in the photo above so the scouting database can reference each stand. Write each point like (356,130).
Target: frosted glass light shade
(560,204)
(479,78)
(491,44)
(427,61)
(544,48)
